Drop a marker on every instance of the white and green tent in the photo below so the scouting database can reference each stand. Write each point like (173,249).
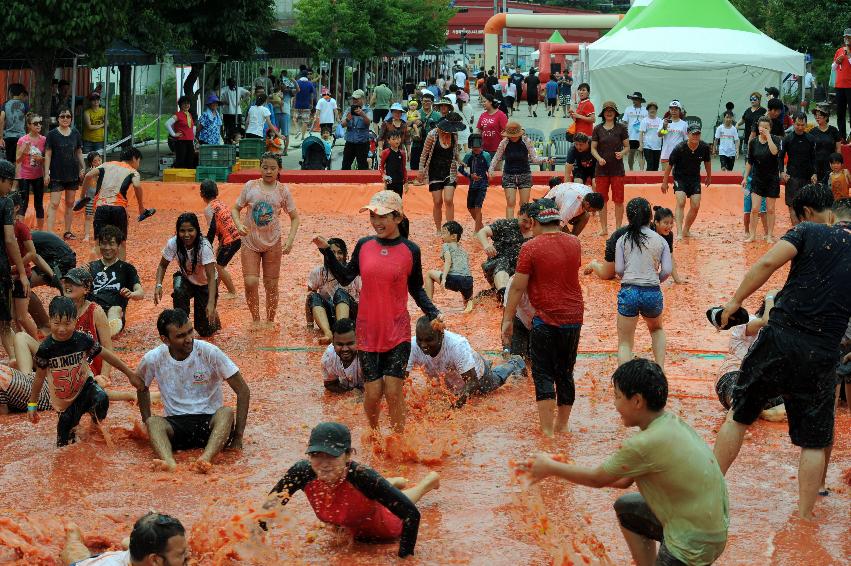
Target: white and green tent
(704,53)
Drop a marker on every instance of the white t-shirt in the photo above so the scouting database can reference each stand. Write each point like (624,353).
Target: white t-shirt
(192,386)
(326,108)
(198,276)
(650,128)
(677,133)
(740,343)
(511,90)
(525,310)
(454,99)
(809,80)
(333,369)
(231,98)
(257,119)
(728,140)
(114,558)
(568,197)
(460,78)
(456,357)
(633,116)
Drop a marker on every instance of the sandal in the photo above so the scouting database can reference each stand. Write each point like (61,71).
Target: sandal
(69,236)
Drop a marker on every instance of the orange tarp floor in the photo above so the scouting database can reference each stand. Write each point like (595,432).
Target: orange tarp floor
(480,514)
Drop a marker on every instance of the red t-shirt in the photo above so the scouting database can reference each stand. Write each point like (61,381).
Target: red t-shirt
(389,271)
(86,323)
(22,235)
(843,70)
(552,262)
(585,108)
(344,505)
(492,126)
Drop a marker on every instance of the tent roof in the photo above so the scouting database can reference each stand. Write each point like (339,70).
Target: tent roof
(122,53)
(664,35)
(635,10)
(556,38)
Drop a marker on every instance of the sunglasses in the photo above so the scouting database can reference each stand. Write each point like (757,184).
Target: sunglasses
(36,123)
(754,99)
(61,116)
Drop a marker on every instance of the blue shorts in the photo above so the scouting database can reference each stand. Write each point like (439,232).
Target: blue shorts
(645,301)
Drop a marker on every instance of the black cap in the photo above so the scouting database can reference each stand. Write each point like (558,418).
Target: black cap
(545,211)
(79,276)
(333,439)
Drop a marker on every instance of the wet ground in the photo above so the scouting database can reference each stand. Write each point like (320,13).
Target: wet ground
(479,515)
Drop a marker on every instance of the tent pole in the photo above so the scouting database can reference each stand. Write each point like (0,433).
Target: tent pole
(132,104)
(106,120)
(159,115)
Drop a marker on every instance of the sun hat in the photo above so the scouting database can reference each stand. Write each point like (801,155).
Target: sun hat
(739,317)
(513,128)
(847,32)
(212,99)
(421,84)
(78,276)
(821,108)
(694,128)
(330,438)
(396,106)
(384,202)
(545,211)
(609,104)
(444,102)
(358,94)
(636,96)
(451,123)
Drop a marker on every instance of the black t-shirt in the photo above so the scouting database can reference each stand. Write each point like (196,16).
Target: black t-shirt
(517,79)
(393,166)
(371,485)
(68,365)
(408,89)
(53,249)
(801,152)
(765,167)
(6,219)
(108,281)
(64,163)
(815,299)
(532,86)
(490,82)
(686,162)
(750,117)
(583,162)
(825,142)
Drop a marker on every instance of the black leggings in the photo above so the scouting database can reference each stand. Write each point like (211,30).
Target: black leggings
(651,158)
(520,339)
(553,354)
(184,293)
(36,186)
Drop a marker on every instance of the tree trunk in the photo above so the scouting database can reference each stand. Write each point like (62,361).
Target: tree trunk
(189,84)
(125,101)
(42,91)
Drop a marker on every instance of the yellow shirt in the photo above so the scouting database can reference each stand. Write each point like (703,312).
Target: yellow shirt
(96,118)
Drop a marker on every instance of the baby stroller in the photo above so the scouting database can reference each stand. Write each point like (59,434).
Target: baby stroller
(314,155)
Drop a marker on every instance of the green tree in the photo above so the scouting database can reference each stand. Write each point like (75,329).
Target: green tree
(44,33)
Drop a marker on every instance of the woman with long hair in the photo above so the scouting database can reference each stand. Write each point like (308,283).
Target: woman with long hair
(643,261)
(181,128)
(518,152)
(439,166)
(763,167)
(30,158)
(195,279)
(262,244)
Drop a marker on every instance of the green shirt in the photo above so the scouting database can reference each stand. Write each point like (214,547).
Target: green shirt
(429,123)
(680,480)
(383,95)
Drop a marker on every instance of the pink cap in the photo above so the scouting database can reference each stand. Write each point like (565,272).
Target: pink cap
(384,202)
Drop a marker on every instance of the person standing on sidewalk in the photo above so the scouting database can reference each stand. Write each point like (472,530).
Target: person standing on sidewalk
(632,118)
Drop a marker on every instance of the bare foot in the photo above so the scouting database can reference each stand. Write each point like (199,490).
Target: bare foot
(201,466)
(430,481)
(469,308)
(164,466)
(326,339)
(398,483)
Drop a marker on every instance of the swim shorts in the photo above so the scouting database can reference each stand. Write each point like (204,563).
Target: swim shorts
(461,283)
(553,354)
(783,362)
(190,431)
(690,188)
